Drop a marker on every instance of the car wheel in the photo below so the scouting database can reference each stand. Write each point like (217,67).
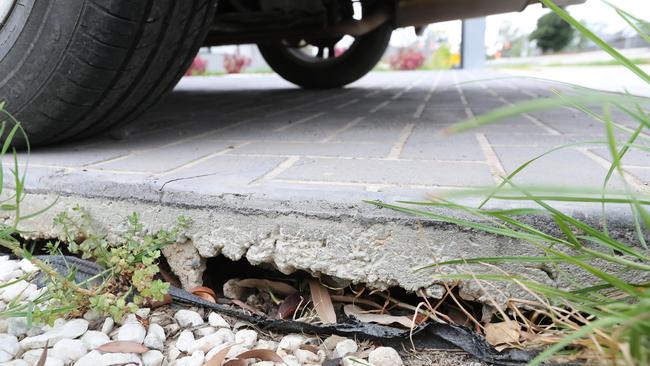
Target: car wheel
(327,63)
(73,67)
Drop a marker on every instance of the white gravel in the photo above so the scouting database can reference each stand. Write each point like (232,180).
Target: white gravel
(182,339)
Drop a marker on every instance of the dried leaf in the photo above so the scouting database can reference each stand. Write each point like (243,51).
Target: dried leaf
(43,358)
(245,306)
(170,278)
(261,284)
(384,319)
(143,321)
(205,293)
(502,333)
(356,300)
(207,297)
(320,296)
(236,362)
(167,299)
(217,360)
(289,306)
(260,354)
(123,347)
(309,347)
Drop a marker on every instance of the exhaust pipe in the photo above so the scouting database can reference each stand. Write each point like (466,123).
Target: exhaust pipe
(422,12)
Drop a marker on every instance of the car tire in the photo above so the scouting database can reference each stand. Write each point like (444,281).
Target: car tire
(333,73)
(76,67)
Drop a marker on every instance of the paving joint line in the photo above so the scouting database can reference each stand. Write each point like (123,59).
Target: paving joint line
(366,184)
(398,147)
(279,169)
(492,159)
(299,122)
(627,176)
(365,158)
(340,130)
(199,160)
(418,112)
(379,106)
(350,102)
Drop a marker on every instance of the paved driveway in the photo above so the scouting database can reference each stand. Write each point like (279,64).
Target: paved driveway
(257,135)
(277,175)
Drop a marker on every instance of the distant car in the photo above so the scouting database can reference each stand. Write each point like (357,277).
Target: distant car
(72,68)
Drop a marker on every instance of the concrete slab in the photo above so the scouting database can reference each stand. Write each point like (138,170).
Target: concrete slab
(278,175)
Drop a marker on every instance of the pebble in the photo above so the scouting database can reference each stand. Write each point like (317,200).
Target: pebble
(108,325)
(68,350)
(232,290)
(90,315)
(32,357)
(10,276)
(4,356)
(264,363)
(36,294)
(236,350)
(93,339)
(196,359)
(291,360)
(264,344)
(384,356)
(134,332)
(217,321)
(18,362)
(27,266)
(202,332)
(72,329)
(109,359)
(353,361)
(143,312)
(306,357)
(184,340)
(17,291)
(52,361)
(4,325)
(93,358)
(216,350)
(173,354)
(246,337)
(210,341)
(344,347)
(9,346)
(155,338)
(152,358)
(188,318)
(291,342)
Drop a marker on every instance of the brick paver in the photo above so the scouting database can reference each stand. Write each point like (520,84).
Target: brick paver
(253,134)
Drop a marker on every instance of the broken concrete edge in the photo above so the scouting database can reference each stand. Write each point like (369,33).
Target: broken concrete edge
(359,243)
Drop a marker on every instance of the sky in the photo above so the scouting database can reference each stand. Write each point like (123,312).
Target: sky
(592,11)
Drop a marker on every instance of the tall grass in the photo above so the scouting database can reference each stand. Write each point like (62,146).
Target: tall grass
(607,321)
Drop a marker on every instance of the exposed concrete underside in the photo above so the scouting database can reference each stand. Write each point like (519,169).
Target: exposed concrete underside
(361,244)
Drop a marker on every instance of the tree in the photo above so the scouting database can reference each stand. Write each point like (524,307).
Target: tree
(552,33)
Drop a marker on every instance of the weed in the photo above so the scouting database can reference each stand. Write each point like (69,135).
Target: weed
(130,261)
(608,321)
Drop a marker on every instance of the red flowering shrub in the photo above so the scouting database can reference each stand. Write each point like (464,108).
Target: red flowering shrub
(406,59)
(235,63)
(198,67)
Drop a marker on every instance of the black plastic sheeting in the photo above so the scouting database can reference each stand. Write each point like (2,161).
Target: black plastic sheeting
(427,336)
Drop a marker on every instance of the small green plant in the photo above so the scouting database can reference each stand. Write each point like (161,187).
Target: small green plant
(130,261)
(607,322)
(127,282)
